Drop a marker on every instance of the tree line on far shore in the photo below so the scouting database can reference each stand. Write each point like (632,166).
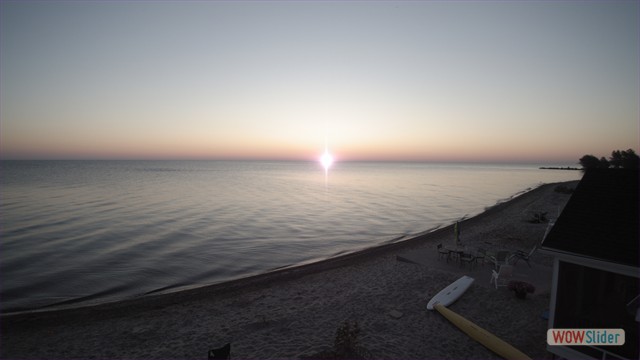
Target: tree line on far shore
(619,159)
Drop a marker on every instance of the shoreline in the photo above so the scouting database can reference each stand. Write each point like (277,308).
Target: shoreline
(290,283)
(283,272)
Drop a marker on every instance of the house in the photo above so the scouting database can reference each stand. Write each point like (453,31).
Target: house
(596,273)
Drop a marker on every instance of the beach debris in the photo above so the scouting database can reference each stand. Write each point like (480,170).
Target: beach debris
(539,217)
(347,339)
(562,189)
(395,314)
(346,345)
(545,315)
(221,353)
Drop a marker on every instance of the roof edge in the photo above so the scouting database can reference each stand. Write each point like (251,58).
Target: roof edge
(623,269)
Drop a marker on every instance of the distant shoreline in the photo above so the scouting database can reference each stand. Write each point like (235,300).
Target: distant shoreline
(559,168)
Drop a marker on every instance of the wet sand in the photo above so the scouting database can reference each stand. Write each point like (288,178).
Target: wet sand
(294,313)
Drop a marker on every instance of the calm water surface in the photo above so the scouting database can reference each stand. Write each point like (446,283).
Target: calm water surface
(75,232)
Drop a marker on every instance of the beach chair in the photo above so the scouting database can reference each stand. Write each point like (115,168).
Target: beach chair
(501,258)
(480,255)
(467,258)
(221,353)
(442,252)
(502,276)
(521,255)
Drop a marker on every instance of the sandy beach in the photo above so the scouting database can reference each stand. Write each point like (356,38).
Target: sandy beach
(294,313)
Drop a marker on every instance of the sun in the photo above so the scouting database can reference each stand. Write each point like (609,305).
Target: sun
(326,160)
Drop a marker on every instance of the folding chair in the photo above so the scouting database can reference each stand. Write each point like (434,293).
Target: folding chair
(502,276)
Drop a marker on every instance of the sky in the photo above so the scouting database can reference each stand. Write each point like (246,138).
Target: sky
(516,81)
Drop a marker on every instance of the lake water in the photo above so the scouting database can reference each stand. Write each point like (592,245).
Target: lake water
(78,232)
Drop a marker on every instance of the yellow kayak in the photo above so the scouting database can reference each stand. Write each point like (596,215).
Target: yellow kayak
(481,335)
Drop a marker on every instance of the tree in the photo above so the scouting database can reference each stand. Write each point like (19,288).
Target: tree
(619,159)
(590,162)
(624,159)
(616,158)
(604,163)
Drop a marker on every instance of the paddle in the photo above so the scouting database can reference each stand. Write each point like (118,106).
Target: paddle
(482,336)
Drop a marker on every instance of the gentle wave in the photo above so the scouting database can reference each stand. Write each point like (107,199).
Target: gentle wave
(89,231)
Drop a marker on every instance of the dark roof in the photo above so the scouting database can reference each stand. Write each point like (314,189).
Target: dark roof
(600,220)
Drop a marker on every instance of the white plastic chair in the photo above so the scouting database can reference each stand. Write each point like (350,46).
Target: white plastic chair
(502,276)
(501,258)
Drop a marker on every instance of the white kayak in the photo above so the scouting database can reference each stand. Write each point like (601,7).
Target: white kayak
(451,293)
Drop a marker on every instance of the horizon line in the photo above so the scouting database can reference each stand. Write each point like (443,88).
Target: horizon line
(275,159)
